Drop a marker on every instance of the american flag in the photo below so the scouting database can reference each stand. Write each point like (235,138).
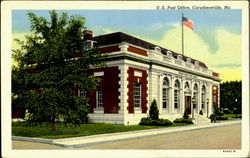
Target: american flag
(187,22)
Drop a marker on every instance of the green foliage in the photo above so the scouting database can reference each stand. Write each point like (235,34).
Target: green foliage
(229,92)
(183,120)
(146,121)
(47,65)
(218,112)
(201,112)
(153,111)
(185,115)
(226,111)
(150,122)
(213,118)
(164,122)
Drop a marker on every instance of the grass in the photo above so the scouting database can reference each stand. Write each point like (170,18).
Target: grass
(232,115)
(229,117)
(43,131)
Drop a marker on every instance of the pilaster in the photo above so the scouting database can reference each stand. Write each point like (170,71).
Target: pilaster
(123,83)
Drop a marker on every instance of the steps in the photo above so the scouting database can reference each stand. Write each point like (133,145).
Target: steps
(201,120)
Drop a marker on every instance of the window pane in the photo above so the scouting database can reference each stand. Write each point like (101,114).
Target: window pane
(164,97)
(176,98)
(137,94)
(99,98)
(82,93)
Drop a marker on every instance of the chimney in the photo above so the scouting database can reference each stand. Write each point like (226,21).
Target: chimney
(87,35)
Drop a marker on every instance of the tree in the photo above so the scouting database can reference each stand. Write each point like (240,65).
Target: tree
(153,111)
(230,95)
(185,115)
(48,71)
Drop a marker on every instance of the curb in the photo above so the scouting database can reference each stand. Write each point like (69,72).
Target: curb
(131,135)
(32,139)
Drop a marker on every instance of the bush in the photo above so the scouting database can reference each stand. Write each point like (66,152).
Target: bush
(183,120)
(213,118)
(153,111)
(146,121)
(164,122)
(226,111)
(221,118)
(201,113)
(185,115)
(150,122)
(218,112)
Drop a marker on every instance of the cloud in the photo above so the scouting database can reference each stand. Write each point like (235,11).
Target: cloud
(230,74)
(226,65)
(225,59)
(18,35)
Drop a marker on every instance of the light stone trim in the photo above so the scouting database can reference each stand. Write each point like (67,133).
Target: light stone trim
(97,74)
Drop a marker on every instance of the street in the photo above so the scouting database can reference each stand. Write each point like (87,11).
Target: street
(224,137)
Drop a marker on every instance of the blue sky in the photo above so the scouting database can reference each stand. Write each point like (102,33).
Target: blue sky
(162,27)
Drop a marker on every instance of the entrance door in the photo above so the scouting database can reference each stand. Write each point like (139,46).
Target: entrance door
(188,104)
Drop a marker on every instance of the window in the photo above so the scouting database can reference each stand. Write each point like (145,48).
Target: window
(82,93)
(195,94)
(165,93)
(137,94)
(186,86)
(99,96)
(176,94)
(214,99)
(87,45)
(176,98)
(203,96)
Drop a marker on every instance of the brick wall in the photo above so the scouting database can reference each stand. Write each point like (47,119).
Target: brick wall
(109,84)
(137,51)
(131,80)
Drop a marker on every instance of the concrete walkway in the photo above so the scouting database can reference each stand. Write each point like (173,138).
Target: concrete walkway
(104,138)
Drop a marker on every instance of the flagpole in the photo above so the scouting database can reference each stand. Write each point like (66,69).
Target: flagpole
(182,38)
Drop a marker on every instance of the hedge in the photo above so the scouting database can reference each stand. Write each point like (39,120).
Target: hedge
(183,120)
(151,122)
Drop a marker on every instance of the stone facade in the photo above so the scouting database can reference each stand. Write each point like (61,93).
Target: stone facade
(144,73)
(137,72)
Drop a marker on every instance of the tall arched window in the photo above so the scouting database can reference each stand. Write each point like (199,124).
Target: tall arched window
(186,87)
(203,96)
(195,94)
(176,94)
(165,93)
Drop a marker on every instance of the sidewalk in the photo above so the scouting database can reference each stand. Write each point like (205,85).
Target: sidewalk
(104,138)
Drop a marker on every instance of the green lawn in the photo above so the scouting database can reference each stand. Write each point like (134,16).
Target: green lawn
(43,131)
(232,115)
(229,117)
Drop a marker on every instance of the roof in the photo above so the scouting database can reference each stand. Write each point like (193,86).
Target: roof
(118,37)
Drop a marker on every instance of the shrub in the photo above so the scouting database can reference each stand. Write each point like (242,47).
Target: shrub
(183,120)
(201,113)
(213,118)
(159,122)
(164,122)
(153,111)
(226,111)
(146,121)
(218,112)
(185,115)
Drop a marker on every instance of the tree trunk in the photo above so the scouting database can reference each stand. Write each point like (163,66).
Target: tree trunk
(53,126)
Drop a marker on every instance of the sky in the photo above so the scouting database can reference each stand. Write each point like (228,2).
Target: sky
(216,39)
